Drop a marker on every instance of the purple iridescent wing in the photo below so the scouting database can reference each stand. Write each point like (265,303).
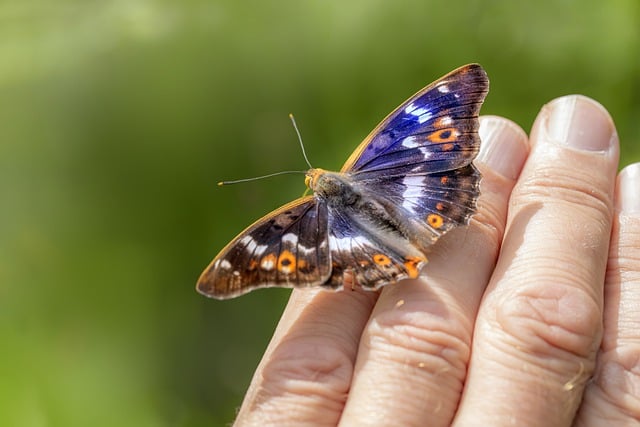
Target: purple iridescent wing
(438,202)
(433,131)
(419,157)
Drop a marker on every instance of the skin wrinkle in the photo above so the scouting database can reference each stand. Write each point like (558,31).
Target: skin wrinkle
(617,385)
(491,206)
(544,378)
(420,353)
(542,370)
(535,311)
(408,345)
(617,381)
(310,308)
(458,308)
(406,330)
(488,225)
(302,356)
(270,411)
(549,268)
(630,274)
(627,255)
(551,180)
(561,191)
(288,387)
(327,330)
(301,359)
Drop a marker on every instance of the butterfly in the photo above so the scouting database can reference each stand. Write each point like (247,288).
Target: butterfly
(371,224)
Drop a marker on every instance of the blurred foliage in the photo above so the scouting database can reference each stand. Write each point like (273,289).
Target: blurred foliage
(118,118)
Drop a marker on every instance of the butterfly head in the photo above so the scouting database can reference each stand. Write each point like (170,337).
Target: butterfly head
(311,177)
(335,188)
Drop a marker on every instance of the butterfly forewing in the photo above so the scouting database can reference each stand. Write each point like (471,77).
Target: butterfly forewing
(288,247)
(433,131)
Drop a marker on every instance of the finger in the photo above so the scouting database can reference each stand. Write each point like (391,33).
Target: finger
(539,326)
(612,397)
(414,350)
(305,374)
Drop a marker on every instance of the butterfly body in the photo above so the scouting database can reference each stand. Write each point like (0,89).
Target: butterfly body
(409,182)
(390,235)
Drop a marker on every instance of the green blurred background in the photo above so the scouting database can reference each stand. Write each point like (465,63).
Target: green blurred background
(117,118)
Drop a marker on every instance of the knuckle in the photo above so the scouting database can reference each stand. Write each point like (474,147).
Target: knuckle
(301,377)
(563,322)
(577,186)
(305,366)
(418,339)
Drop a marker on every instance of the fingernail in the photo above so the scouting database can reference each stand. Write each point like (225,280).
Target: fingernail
(628,197)
(504,146)
(580,122)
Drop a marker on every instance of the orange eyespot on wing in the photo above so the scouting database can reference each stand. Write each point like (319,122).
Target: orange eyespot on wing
(443,135)
(435,220)
(286,262)
(382,260)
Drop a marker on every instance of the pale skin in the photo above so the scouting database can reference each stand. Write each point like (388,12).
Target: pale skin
(528,316)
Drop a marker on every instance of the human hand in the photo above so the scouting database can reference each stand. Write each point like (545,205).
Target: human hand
(505,327)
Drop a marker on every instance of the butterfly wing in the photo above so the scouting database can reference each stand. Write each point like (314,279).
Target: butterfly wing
(288,247)
(360,258)
(433,131)
(418,160)
(433,203)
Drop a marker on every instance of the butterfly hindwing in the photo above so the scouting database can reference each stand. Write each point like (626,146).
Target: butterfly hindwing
(433,131)
(360,259)
(288,247)
(439,201)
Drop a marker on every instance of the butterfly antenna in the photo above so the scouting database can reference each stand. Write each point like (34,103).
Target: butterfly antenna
(255,178)
(304,153)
